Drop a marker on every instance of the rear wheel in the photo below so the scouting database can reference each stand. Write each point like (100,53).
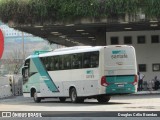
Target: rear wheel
(36,99)
(103,99)
(62,99)
(73,96)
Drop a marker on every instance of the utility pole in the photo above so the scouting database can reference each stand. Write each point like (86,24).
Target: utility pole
(23,46)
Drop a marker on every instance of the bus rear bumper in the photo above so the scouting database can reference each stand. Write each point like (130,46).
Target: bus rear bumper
(120,90)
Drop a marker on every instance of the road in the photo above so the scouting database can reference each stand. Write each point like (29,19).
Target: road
(120,103)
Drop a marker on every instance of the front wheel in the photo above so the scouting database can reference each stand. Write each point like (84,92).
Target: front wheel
(103,99)
(36,99)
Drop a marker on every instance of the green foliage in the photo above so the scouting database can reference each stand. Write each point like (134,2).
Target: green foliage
(152,8)
(30,11)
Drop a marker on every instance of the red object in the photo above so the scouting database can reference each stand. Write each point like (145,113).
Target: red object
(135,80)
(1,43)
(104,82)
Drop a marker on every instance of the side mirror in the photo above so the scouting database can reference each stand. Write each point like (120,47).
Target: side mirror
(23,70)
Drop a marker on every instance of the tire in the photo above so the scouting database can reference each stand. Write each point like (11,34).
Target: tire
(73,95)
(35,98)
(62,99)
(103,99)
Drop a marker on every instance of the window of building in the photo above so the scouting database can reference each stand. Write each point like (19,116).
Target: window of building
(141,40)
(127,40)
(156,67)
(142,67)
(155,39)
(114,41)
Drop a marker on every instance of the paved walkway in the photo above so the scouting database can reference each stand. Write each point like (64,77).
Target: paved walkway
(148,92)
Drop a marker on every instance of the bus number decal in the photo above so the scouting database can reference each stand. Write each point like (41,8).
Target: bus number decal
(89,74)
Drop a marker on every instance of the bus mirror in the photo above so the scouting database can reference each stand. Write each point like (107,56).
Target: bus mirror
(23,70)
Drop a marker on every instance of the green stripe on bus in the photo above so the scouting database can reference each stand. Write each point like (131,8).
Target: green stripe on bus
(44,74)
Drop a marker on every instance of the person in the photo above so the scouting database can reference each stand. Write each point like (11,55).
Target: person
(156,83)
(140,81)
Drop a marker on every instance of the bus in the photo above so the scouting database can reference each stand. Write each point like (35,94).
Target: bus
(80,73)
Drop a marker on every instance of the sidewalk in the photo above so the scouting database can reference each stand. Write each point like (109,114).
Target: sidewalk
(147,92)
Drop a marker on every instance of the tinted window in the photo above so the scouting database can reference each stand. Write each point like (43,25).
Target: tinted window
(94,59)
(90,59)
(71,61)
(56,63)
(86,60)
(67,62)
(76,61)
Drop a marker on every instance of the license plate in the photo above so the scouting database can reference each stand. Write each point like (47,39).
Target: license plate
(121,85)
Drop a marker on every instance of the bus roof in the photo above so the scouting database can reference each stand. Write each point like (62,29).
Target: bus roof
(72,50)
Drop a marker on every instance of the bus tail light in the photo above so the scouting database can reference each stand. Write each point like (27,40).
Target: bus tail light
(104,82)
(135,80)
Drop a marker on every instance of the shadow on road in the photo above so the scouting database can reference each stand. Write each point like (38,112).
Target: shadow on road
(19,100)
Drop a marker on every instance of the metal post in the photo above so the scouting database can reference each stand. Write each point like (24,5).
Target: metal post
(23,46)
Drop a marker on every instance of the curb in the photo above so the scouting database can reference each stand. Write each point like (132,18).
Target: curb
(146,92)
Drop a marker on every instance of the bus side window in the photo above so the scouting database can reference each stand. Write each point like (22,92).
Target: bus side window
(86,60)
(94,59)
(56,63)
(52,63)
(67,62)
(60,62)
(76,61)
(49,63)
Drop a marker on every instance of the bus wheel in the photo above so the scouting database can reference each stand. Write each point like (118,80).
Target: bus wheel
(62,99)
(73,95)
(103,99)
(36,99)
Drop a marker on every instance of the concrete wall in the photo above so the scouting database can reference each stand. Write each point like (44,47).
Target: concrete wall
(148,53)
(5,87)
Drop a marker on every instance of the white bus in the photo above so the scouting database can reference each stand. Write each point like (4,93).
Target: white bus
(80,73)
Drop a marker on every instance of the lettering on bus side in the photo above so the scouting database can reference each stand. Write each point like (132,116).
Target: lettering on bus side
(42,78)
(89,74)
(119,54)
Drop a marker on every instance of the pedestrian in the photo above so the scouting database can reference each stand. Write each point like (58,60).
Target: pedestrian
(156,83)
(140,81)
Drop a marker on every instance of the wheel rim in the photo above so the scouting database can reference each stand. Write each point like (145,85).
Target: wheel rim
(35,96)
(74,96)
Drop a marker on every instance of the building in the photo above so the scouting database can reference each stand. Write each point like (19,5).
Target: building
(14,43)
(10,32)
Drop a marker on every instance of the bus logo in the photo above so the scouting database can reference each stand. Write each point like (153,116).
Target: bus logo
(89,74)
(119,54)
